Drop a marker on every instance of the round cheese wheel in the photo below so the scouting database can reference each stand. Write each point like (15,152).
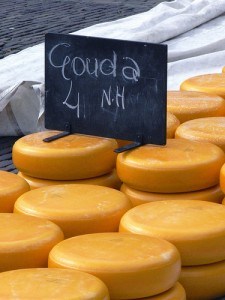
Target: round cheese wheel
(172,124)
(76,208)
(210,130)
(204,282)
(25,241)
(196,228)
(110,180)
(213,194)
(54,284)
(177,292)
(131,265)
(188,105)
(207,83)
(11,187)
(180,166)
(69,158)
(223,70)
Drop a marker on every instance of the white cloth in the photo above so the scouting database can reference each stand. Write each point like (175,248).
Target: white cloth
(192,29)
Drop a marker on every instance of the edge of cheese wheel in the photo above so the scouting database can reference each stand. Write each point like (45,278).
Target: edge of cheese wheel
(11,187)
(72,157)
(196,228)
(180,166)
(110,180)
(76,208)
(171,125)
(177,292)
(213,194)
(207,83)
(131,265)
(46,283)
(189,105)
(25,241)
(211,130)
(222,178)
(204,282)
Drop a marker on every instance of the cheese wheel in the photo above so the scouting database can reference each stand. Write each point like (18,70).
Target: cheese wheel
(76,208)
(69,158)
(189,105)
(207,83)
(172,124)
(196,228)
(25,242)
(52,284)
(213,194)
(131,265)
(204,282)
(223,70)
(11,187)
(177,292)
(210,130)
(180,166)
(110,180)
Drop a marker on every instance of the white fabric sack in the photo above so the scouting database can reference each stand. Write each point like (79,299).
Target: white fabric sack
(192,29)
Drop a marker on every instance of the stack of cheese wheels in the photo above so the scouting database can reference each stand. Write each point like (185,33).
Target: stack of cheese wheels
(76,208)
(180,167)
(189,105)
(25,241)
(207,83)
(132,266)
(210,130)
(46,283)
(69,159)
(11,187)
(197,229)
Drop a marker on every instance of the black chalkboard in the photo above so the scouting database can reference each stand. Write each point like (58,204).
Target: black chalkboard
(106,87)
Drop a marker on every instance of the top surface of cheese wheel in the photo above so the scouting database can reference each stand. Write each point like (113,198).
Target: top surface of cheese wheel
(76,208)
(130,265)
(207,83)
(11,187)
(180,166)
(24,230)
(172,124)
(210,130)
(68,158)
(51,284)
(189,105)
(196,228)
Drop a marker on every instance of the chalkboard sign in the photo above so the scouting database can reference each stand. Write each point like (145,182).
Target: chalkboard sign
(106,87)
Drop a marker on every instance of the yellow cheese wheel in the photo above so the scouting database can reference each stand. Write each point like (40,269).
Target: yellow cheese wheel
(76,208)
(213,194)
(207,83)
(172,124)
(223,70)
(11,187)
(69,158)
(52,284)
(131,265)
(110,180)
(177,292)
(180,166)
(25,242)
(196,228)
(204,282)
(210,130)
(189,105)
